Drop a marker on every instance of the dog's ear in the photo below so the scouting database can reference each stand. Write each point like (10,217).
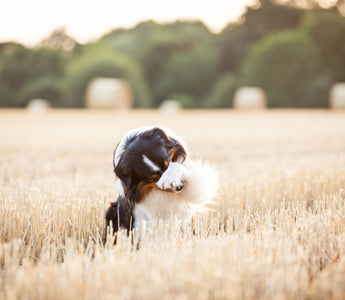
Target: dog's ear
(177,152)
(127,181)
(175,148)
(125,178)
(155,134)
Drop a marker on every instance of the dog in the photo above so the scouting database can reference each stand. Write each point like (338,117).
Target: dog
(156,180)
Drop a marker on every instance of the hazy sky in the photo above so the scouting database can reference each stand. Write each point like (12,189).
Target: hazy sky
(28,21)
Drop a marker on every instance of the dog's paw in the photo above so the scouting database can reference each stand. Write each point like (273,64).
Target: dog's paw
(172,178)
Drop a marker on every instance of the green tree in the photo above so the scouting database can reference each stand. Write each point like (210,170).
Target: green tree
(191,72)
(222,93)
(327,29)
(237,39)
(286,65)
(138,41)
(102,62)
(59,39)
(157,56)
(21,66)
(154,45)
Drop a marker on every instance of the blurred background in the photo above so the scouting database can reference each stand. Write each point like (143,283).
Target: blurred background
(288,53)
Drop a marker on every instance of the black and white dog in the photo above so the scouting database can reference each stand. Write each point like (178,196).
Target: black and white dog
(157,181)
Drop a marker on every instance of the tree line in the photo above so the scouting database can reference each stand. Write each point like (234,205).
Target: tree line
(294,53)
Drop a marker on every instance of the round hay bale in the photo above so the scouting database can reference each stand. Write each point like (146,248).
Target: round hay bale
(170,106)
(108,93)
(38,105)
(337,96)
(250,98)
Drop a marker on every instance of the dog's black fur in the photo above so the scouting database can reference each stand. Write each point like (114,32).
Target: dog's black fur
(120,215)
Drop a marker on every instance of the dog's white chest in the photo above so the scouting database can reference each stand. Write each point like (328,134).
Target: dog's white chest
(159,205)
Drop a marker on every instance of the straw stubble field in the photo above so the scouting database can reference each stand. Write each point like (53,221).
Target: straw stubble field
(277,230)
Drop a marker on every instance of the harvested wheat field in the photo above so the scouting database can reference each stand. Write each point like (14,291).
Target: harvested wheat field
(277,230)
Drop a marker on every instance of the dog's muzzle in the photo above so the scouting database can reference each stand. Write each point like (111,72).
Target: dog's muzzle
(180,187)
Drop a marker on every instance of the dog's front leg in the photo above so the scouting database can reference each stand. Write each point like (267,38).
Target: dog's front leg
(172,178)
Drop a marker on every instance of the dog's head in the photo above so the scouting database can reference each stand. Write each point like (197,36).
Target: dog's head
(142,157)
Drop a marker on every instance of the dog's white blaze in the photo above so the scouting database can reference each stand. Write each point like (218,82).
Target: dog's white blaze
(151,164)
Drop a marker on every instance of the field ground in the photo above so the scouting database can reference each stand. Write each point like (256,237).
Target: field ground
(277,230)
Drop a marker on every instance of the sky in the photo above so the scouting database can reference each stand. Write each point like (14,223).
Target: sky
(29,21)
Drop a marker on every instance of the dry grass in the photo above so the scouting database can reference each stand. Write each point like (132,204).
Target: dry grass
(276,232)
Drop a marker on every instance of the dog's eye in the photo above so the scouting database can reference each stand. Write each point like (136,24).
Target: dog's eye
(153,178)
(156,176)
(157,173)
